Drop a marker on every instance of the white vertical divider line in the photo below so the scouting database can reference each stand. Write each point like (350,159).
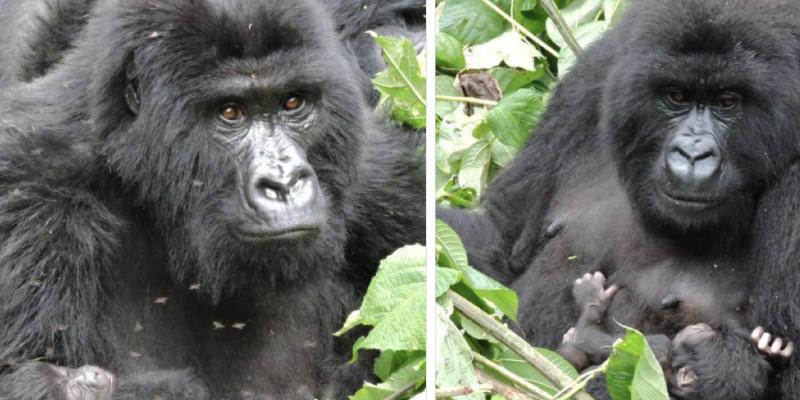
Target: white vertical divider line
(430,198)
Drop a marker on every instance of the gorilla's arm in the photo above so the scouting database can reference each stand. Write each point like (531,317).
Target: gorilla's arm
(388,196)
(773,262)
(57,244)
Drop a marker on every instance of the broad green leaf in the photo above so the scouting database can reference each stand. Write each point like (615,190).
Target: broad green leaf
(502,297)
(412,373)
(502,155)
(510,49)
(445,85)
(453,357)
(585,35)
(449,53)
(576,14)
(472,21)
(446,277)
(633,372)
(390,361)
(475,166)
(511,79)
(402,84)
(613,10)
(514,117)
(394,304)
(450,246)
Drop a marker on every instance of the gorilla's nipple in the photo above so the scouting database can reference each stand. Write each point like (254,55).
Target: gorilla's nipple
(670,302)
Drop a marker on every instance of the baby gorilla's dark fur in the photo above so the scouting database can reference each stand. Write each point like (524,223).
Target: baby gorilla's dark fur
(138,229)
(611,181)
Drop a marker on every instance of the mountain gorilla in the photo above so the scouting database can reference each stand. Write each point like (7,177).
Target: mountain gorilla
(182,198)
(655,183)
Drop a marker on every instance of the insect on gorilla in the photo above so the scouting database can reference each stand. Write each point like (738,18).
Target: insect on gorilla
(655,183)
(186,190)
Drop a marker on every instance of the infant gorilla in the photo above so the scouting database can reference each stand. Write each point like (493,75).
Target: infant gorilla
(589,343)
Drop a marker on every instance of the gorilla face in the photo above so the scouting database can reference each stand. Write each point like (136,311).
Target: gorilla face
(244,123)
(700,120)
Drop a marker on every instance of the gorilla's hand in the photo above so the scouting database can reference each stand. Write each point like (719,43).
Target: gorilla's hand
(42,381)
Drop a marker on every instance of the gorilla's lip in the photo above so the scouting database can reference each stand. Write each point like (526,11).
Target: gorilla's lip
(283,234)
(689,201)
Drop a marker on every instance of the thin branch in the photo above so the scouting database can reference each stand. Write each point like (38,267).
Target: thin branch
(400,392)
(514,378)
(581,383)
(472,100)
(507,391)
(515,343)
(462,391)
(562,26)
(521,28)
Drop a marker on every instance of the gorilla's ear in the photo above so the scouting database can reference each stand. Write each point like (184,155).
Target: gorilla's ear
(132,87)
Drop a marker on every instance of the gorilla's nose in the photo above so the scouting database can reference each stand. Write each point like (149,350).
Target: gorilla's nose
(693,161)
(290,182)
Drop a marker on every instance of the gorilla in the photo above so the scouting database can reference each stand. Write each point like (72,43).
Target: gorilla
(193,195)
(649,166)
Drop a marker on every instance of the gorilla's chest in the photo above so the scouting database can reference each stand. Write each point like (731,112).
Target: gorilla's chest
(266,340)
(593,228)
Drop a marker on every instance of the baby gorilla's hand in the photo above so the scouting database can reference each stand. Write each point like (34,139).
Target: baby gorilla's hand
(777,350)
(590,291)
(87,383)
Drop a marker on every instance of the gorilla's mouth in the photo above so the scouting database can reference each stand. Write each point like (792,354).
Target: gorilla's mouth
(690,201)
(267,234)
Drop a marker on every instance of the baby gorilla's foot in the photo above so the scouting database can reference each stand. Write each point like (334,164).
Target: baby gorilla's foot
(777,350)
(570,351)
(590,291)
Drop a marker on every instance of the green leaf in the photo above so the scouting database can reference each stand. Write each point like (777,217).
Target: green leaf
(453,357)
(449,245)
(475,166)
(585,35)
(510,49)
(472,21)
(514,117)
(412,373)
(575,14)
(394,304)
(446,277)
(633,371)
(502,297)
(402,84)
(449,53)
(511,79)
(445,85)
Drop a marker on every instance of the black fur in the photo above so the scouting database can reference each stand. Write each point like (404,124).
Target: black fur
(110,220)
(580,196)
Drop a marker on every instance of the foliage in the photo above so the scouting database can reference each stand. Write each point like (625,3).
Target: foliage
(483,364)
(477,133)
(492,82)
(394,305)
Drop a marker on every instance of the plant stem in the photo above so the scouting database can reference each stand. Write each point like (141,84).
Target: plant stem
(514,342)
(464,390)
(562,26)
(515,379)
(507,391)
(472,100)
(521,28)
(583,380)
(400,392)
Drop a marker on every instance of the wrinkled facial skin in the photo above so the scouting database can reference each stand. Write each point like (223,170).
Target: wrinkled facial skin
(278,195)
(694,173)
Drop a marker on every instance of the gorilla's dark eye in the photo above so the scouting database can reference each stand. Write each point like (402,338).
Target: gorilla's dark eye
(678,97)
(232,113)
(726,101)
(294,102)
